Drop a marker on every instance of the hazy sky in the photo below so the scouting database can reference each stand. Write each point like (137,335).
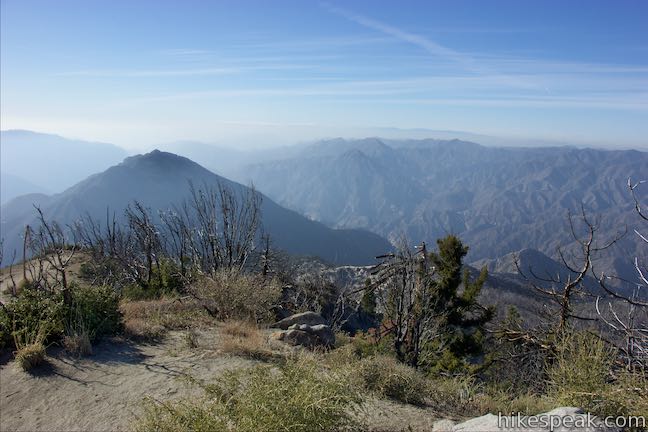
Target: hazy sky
(139,72)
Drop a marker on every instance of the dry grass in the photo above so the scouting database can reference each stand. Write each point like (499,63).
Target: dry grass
(244,339)
(152,319)
(233,295)
(78,344)
(241,329)
(30,356)
(191,338)
(298,395)
(142,330)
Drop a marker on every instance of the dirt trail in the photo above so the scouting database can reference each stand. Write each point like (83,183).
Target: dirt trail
(103,392)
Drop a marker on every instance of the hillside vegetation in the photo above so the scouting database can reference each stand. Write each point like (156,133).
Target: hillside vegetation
(432,343)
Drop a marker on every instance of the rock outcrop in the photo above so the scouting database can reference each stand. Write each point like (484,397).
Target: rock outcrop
(306,329)
(308,318)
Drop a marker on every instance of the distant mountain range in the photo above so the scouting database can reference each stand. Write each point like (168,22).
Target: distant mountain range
(35,162)
(160,180)
(12,186)
(499,200)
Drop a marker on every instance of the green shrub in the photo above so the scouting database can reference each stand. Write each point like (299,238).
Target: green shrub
(183,416)
(580,373)
(167,279)
(299,396)
(32,311)
(93,310)
(96,310)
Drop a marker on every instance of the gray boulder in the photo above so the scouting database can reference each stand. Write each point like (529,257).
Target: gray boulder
(298,337)
(308,336)
(308,318)
(324,334)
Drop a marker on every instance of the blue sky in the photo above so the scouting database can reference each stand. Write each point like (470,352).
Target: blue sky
(137,73)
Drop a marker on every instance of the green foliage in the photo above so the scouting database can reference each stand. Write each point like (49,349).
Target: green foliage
(165,281)
(581,376)
(299,396)
(101,271)
(94,310)
(33,311)
(459,317)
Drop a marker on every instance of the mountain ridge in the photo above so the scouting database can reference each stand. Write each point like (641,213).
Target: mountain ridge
(160,180)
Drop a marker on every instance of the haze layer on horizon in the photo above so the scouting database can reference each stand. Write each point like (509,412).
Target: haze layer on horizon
(269,73)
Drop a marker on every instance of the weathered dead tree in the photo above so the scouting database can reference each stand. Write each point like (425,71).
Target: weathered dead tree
(51,256)
(627,314)
(564,291)
(226,223)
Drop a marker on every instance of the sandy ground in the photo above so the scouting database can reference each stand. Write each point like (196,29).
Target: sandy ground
(104,392)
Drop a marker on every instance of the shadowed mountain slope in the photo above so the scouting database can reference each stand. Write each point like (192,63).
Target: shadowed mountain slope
(160,181)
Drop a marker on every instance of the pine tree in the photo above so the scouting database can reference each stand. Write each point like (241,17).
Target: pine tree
(460,319)
(431,308)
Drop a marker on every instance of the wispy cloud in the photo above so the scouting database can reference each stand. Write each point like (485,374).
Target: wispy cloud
(153,73)
(149,73)
(425,43)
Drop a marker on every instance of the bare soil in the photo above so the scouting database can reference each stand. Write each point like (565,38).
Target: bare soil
(104,392)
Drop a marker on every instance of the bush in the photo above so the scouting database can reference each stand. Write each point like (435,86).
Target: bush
(33,312)
(229,295)
(387,377)
(581,376)
(243,339)
(78,343)
(95,311)
(30,356)
(300,396)
(30,348)
(580,370)
(151,319)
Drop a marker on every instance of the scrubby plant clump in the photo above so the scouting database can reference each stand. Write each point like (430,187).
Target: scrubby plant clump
(581,375)
(78,344)
(96,309)
(30,356)
(298,396)
(231,295)
(387,377)
(33,310)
